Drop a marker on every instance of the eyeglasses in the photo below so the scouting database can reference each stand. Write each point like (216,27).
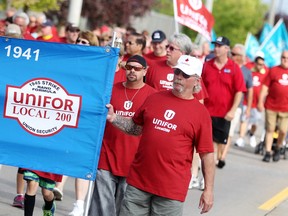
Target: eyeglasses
(80,41)
(235,54)
(171,48)
(186,76)
(130,67)
(284,57)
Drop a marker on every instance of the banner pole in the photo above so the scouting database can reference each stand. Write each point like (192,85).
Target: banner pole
(175,14)
(89,196)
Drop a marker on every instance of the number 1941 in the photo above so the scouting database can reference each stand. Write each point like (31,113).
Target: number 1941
(18,52)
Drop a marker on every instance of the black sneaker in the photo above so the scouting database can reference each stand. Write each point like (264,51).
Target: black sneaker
(276,155)
(267,157)
(221,164)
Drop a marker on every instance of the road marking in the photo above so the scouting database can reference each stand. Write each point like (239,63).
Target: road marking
(274,201)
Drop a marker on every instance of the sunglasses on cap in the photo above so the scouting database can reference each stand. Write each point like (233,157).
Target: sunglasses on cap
(177,71)
(130,67)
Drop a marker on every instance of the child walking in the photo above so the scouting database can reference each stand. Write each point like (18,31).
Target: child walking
(47,182)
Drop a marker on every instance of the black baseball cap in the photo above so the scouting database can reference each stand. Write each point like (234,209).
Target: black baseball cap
(139,59)
(222,41)
(158,36)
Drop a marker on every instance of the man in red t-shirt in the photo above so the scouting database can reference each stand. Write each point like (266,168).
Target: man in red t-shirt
(158,43)
(118,148)
(47,32)
(275,90)
(225,85)
(172,124)
(160,72)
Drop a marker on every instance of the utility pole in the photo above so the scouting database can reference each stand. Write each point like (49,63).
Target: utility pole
(209,5)
(271,18)
(75,8)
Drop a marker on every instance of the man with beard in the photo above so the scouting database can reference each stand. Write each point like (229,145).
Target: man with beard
(172,123)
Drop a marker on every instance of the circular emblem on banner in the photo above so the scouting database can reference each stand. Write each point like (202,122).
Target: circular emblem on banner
(195,4)
(42,106)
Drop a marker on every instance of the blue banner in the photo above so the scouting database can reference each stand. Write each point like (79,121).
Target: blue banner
(251,46)
(274,44)
(265,31)
(53,99)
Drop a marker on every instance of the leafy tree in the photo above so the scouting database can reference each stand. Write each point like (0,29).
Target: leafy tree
(235,18)
(111,12)
(35,5)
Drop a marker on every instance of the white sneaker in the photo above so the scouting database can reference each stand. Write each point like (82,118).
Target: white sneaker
(194,183)
(239,142)
(77,211)
(253,141)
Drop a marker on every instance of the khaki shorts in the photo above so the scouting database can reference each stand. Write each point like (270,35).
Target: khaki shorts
(272,118)
(138,202)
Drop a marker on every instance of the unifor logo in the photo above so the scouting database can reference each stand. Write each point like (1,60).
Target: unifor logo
(170,76)
(195,4)
(169,114)
(42,106)
(128,105)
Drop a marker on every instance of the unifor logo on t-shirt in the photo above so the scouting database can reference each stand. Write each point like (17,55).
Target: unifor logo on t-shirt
(284,80)
(169,114)
(165,125)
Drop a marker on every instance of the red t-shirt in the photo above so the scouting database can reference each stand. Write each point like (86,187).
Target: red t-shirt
(120,76)
(47,175)
(258,78)
(150,57)
(172,127)
(118,149)
(222,85)
(277,82)
(52,39)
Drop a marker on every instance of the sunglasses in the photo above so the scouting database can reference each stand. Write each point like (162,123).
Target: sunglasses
(130,42)
(130,67)
(171,48)
(185,76)
(235,54)
(284,57)
(80,41)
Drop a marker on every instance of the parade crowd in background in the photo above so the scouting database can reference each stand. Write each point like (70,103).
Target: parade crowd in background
(216,93)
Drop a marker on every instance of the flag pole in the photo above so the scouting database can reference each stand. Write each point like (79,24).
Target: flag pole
(175,14)
(89,196)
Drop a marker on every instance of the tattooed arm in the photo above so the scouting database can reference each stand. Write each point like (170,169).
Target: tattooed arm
(125,124)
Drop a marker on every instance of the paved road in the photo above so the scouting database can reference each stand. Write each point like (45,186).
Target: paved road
(241,187)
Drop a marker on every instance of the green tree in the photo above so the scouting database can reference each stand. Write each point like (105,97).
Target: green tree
(233,18)
(34,5)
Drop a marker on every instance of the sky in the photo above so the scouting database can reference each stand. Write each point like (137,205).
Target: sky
(281,5)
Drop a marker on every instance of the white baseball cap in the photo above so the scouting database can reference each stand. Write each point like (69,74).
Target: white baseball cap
(189,65)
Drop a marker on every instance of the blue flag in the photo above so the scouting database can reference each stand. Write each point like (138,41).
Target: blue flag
(251,46)
(213,38)
(265,31)
(53,99)
(274,44)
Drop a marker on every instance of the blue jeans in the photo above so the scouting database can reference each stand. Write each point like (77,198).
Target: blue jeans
(108,194)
